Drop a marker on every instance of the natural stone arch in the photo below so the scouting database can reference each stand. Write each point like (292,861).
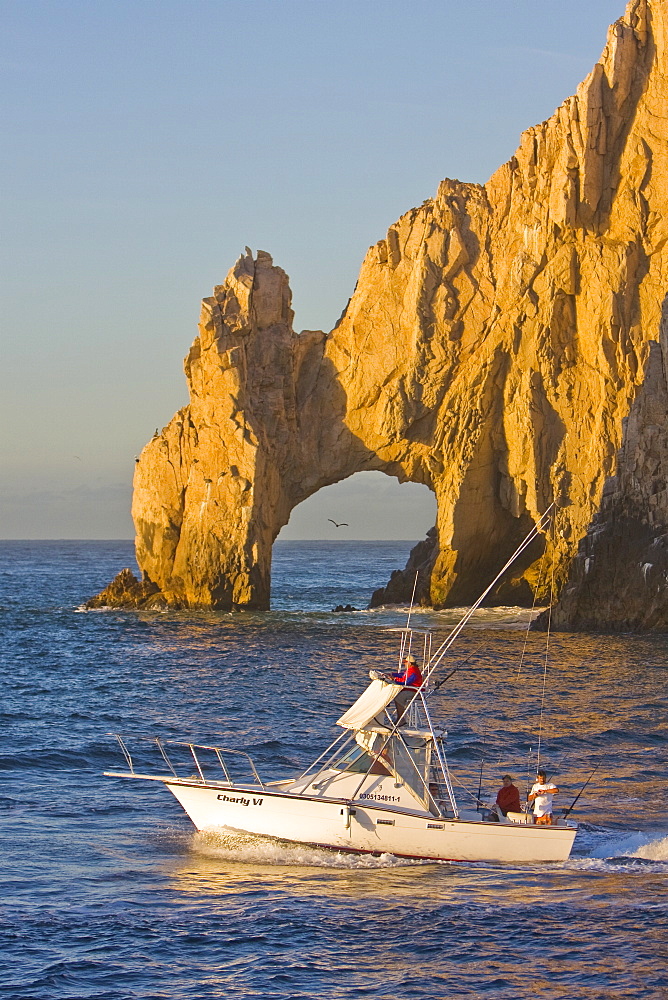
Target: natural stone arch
(274,417)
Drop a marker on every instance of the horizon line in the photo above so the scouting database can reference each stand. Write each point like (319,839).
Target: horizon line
(277,540)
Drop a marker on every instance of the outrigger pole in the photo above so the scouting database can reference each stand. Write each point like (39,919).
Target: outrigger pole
(445,645)
(455,669)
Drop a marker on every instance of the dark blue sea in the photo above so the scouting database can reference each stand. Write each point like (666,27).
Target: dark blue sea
(109,893)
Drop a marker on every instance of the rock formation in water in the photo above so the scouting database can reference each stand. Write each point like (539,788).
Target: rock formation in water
(497,348)
(125,590)
(414,576)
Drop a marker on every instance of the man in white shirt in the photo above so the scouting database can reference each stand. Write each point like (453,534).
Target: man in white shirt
(541,795)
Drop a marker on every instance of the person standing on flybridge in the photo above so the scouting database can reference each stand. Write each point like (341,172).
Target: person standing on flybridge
(410,676)
(541,795)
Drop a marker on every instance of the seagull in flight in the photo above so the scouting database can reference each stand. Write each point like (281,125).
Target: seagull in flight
(340,524)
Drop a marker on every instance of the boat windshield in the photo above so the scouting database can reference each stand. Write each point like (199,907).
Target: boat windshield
(358,760)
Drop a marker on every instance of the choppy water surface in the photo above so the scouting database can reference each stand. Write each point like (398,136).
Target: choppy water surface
(108,892)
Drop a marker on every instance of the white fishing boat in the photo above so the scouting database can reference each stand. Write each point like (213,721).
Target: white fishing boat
(382,786)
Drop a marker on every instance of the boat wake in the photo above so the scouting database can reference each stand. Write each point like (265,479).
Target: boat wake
(649,846)
(632,851)
(636,849)
(251,849)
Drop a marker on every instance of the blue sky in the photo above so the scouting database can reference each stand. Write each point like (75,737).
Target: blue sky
(146,143)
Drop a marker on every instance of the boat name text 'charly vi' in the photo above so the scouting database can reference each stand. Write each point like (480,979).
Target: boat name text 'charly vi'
(239,801)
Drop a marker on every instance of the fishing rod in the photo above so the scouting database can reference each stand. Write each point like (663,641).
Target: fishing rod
(458,667)
(528,778)
(446,678)
(566,811)
(482,762)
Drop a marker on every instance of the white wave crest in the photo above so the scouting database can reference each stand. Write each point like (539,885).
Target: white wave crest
(650,846)
(251,849)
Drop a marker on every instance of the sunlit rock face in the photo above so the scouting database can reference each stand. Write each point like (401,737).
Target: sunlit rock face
(493,349)
(619,578)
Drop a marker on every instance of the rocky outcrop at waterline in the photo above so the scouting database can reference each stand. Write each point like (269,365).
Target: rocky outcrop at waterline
(494,347)
(412,582)
(125,590)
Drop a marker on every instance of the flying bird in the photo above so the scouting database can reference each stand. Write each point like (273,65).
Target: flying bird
(340,524)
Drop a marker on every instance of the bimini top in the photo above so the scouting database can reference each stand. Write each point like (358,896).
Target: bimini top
(370,704)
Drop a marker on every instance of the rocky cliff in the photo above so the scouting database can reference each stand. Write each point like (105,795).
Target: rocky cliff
(497,347)
(619,577)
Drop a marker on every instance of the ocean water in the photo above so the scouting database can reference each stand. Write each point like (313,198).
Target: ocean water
(108,892)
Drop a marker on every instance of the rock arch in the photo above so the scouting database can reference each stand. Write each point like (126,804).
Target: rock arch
(276,416)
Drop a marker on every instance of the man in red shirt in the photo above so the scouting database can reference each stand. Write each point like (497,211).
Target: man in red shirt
(508,797)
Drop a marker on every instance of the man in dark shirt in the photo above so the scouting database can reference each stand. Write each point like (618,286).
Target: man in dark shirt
(508,798)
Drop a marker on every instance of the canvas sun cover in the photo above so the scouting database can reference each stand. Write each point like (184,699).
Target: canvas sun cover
(370,703)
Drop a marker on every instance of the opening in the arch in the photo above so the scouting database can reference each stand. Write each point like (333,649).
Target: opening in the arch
(344,542)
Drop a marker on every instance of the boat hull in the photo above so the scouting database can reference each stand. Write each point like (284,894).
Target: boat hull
(339,825)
